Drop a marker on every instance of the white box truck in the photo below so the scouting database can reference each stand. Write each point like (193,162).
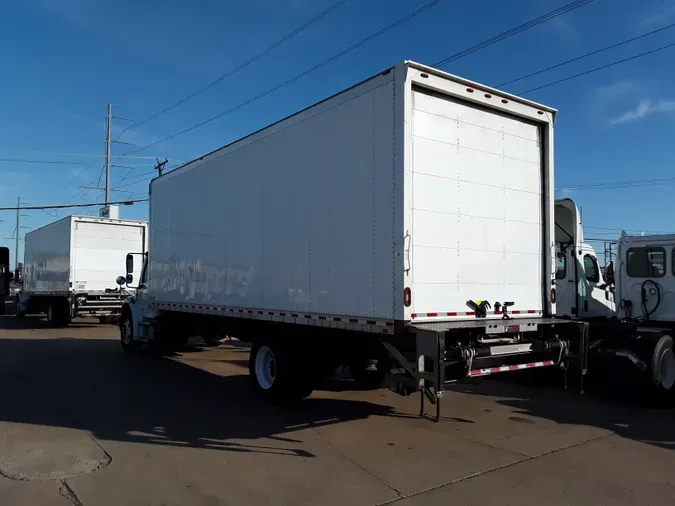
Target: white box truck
(630,304)
(402,227)
(71,264)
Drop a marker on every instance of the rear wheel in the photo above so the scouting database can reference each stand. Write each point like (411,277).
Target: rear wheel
(127,334)
(663,364)
(58,313)
(17,309)
(276,373)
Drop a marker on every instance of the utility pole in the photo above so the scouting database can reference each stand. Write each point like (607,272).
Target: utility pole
(160,165)
(18,228)
(107,164)
(108,118)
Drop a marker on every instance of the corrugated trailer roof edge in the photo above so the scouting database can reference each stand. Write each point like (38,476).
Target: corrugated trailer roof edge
(409,63)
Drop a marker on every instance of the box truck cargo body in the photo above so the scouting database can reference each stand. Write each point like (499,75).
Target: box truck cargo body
(413,207)
(71,266)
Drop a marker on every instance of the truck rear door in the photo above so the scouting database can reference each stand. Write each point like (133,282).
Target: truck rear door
(478,208)
(100,250)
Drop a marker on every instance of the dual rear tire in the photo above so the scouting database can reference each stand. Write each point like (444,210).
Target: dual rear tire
(58,312)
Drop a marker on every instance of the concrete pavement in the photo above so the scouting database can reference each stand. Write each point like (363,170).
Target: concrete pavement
(83,423)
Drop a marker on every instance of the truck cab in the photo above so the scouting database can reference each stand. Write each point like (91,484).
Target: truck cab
(581,289)
(645,272)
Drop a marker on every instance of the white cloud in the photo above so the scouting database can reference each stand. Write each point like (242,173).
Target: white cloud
(644,109)
(665,15)
(616,89)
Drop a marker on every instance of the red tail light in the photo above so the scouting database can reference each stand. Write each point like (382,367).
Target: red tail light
(553,296)
(407,297)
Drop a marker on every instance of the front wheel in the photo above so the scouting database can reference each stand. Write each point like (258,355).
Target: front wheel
(127,334)
(276,373)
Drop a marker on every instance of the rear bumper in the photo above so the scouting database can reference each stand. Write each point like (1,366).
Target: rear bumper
(437,354)
(97,304)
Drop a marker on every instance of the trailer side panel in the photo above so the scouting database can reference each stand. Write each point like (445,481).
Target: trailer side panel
(296,217)
(47,258)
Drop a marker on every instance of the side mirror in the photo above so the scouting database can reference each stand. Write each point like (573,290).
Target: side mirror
(129,279)
(609,273)
(121,280)
(130,265)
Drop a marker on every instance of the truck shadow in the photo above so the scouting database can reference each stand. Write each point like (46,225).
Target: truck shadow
(628,413)
(90,384)
(39,322)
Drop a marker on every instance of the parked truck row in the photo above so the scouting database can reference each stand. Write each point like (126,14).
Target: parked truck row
(405,227)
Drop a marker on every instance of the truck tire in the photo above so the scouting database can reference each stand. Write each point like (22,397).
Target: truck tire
(663,364)
(17,309)
(52,313)
(127,334)
(277,375)
(58,313)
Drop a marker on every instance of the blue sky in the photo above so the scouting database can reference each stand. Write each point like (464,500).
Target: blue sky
(63,61)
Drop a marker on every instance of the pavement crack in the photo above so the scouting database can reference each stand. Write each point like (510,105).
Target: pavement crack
(492,470)
(68,493)
(400,494)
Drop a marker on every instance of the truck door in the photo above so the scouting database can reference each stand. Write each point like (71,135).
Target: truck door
(568,239)
(597,301)
(565,281)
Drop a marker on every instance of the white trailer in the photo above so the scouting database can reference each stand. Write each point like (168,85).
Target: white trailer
(411,213)
(630,307)
(71,265)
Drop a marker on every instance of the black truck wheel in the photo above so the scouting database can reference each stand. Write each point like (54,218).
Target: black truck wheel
(663,364)
(276,373)
(127,334)
(17,309)
(58,312)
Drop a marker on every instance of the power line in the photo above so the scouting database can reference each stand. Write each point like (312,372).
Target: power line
(23,160)
(98,155)
(618,184)
(325,62)
(514,31)
(138,177)
(592,53)
(63,206)
(628,230)
(241,66)
(596,69)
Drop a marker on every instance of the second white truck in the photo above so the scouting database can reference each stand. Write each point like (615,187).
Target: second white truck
(630,306)
(402,227)
(71,265)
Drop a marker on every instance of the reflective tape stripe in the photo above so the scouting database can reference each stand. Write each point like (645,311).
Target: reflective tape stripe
(507,368)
